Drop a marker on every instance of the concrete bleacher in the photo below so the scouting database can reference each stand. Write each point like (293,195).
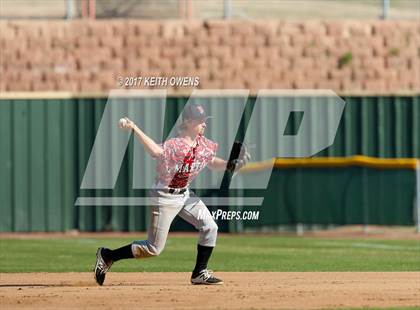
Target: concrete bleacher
(379,56)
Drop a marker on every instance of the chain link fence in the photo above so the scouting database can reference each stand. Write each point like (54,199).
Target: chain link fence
(215,9)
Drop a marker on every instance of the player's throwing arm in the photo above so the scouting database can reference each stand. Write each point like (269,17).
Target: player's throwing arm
(151,146)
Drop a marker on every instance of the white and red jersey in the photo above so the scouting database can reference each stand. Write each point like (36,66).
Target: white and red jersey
(180,163)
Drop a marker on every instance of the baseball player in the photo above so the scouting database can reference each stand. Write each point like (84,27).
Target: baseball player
(179,161)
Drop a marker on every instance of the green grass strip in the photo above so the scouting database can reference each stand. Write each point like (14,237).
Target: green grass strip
(232,253)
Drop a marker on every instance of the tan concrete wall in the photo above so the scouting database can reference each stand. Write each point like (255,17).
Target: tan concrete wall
(350,56)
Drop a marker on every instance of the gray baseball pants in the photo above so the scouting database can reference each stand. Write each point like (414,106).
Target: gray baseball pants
(166,207)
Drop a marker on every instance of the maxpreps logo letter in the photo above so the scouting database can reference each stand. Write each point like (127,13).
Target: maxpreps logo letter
(297,123)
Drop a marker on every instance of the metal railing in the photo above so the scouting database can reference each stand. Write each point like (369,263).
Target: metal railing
(202,9)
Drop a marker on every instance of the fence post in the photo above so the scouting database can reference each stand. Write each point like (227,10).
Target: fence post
(385,9)
(227,9)
(69,9)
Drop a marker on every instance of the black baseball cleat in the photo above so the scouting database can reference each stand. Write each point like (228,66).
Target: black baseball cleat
(101,267)
(206,277)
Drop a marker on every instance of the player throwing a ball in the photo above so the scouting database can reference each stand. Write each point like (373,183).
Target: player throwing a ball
(178,161)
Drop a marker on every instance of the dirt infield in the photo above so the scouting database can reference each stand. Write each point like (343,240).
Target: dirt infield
(242,290)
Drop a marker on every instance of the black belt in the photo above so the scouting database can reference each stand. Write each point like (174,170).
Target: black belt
(175,190)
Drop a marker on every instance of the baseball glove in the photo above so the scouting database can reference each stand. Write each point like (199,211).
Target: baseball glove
(239,157)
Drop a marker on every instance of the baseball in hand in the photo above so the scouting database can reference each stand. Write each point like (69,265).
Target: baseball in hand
(122,123)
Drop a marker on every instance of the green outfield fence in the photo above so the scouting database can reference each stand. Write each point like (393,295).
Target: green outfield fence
(46,142)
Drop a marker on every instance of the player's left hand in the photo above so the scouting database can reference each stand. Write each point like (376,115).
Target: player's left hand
(241,156)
